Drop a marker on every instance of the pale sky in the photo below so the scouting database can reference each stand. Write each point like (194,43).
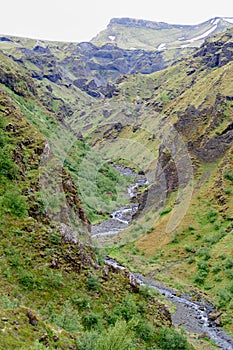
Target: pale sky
(74,20)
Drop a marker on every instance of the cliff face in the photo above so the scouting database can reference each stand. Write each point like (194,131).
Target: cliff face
(126,47)
(89,67)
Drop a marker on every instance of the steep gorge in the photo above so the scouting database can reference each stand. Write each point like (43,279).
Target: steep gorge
(175,126)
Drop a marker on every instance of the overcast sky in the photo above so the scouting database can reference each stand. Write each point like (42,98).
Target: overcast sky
(74,20)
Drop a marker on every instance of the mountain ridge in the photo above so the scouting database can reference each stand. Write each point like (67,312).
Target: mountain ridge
(151,34)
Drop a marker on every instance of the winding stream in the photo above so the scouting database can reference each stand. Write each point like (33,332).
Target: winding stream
(121,217)
(194,316)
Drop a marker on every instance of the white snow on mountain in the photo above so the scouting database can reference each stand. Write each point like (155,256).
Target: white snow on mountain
(215,21)
(161,47)
(228,19)
(112,37)
(204,35)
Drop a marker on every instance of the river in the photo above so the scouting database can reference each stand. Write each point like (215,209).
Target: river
(122,217)
(194,316)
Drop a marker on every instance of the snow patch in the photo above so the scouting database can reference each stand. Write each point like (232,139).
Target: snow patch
(181,38)
(161,47)
(228,19)
(216,21)
(112,37)
(204,35)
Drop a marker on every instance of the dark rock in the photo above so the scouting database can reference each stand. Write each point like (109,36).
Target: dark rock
(53,77)
(41,50)
(218,321)
(44,340)
(136,128)
(94,93)
(80,83)
(111,132)
(110,90)
(107,64)
(133,281)
(203,336)
(230,127)
(215,147)
(213,316)
(49,88)
(32,318)
(191,71)
(4,38)
(216,53)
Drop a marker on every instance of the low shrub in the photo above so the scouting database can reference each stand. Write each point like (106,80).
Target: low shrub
(14,203)
(92,283)
(67,319)
(117,337)
(92,320)
(127,309)
(229,176)
(169,338)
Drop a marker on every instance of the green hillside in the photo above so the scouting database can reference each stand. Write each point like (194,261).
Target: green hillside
(186,241)
(62,132)
(56,292)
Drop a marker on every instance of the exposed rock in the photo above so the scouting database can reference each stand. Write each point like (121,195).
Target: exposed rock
(53,77)
(215,147)
(3,38)
(213,316)
(216,53)
(68,235)
(4,319)
(32,318)
(41,50)
(133,281)
(203,336)
(113,131)
(21,84)
(218,321)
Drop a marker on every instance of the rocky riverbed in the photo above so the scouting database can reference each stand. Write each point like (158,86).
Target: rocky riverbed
(198,317)
(121,217)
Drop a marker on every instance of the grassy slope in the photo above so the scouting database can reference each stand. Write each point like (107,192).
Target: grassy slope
(72,297)
(188,256)
(198,253)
